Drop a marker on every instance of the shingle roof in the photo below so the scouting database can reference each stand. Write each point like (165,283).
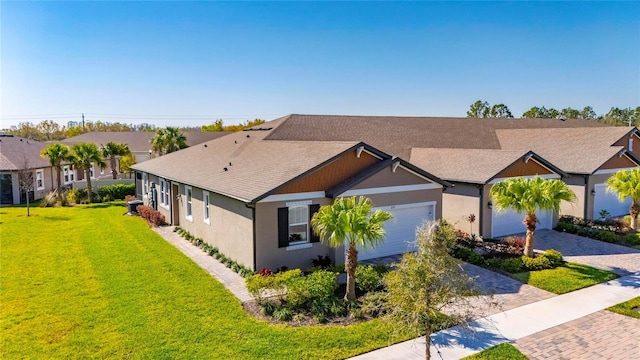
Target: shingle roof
(473,166)
(138,141)
(579,151)
(15,151)
(254,167)
(397,135)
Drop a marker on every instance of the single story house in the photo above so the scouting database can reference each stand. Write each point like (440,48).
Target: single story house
(253,198)
(19,155)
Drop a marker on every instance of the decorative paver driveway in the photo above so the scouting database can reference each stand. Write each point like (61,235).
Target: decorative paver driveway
(621,260)
(601,335)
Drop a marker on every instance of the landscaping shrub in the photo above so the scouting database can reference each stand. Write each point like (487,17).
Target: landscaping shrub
(554,256)
(282,314)
(117,191)
(566,227)
(374,303)
(367,278)
(512,265)
(154,217)
(605,235)
(52,199)
(632,239)
(317,285)
(540,262)
(275,284)
(516,242)
(265,272)
(468,255)
(267,307)
(321,261)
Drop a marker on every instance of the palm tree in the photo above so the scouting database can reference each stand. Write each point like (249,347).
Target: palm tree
(350,220)
(168,140)
(57,154)
(84,155)
(110,151)
(526,196)
(626,183)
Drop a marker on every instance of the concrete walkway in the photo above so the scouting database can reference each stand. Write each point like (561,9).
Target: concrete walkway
(231,280)
(514,324)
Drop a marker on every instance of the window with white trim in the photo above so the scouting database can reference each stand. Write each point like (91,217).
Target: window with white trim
(69,176)
(92,172)
(205,203)
(293,224)
(188,204)
(298,224)
(145,186)
(164,193)
(39,179)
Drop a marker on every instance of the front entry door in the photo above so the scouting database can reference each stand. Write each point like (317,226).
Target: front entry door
(175,207)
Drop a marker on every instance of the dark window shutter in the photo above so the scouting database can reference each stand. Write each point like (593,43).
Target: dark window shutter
(283,227)
(313,208)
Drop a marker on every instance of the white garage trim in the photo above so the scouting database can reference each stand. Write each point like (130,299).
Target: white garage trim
(400,231)
(606,200)
(509,222)
(611,171)
(391,189)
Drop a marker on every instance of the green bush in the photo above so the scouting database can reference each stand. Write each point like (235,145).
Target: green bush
(267,307)
(605,235)
(282,314)
(367,278)
(632,239)
(374,303)
(554,256)
(329,306)
(512,265)
(567,227)
(475,258)
(117,191)
(536,263)
(461,252)
(317,285)
(277,283)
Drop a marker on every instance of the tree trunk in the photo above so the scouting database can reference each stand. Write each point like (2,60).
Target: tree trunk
(530,222)
(633,212)
(87,174)
(59,186)
(28,214)
(427,341)
(350,268)
(112,163)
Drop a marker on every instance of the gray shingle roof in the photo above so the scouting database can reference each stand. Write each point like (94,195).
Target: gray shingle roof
(138,141)
(254,167)
(579,151)
(14,151)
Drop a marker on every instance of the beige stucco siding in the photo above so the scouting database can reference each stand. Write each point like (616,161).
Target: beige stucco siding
(268,254)
(456,208)
(576,208)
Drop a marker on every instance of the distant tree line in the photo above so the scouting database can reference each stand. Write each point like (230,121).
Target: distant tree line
(219,126)
(615,116)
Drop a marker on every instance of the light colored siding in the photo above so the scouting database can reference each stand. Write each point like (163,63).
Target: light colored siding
(455,209)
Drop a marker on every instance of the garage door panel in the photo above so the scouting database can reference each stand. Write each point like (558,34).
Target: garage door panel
(605,200)
(400,232)
(509,222)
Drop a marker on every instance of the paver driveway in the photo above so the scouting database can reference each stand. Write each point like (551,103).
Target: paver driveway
(619,259)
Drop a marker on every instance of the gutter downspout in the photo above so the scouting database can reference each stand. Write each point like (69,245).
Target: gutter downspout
(252,206)
(481,217)
(587,197)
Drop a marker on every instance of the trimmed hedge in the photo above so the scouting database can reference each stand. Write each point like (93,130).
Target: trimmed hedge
(117,191)
(154,217)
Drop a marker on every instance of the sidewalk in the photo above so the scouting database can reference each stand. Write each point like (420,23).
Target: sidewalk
(232,281)
(508,326)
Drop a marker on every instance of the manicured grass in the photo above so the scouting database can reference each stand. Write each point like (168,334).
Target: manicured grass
(498,352)
(88,282)
(628,308)
(565,278)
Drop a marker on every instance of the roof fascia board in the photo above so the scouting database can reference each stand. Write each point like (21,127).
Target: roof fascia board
(421,173)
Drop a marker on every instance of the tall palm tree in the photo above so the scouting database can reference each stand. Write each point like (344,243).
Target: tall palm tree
(526,196)
(350,221)
(111,151)
(84,156)
(57,154)
(168,140)
(626,183)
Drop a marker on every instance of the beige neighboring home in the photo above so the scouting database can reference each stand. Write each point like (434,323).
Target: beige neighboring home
(473,173)
(17,155)
(253,198)
(139,143)
(590,156)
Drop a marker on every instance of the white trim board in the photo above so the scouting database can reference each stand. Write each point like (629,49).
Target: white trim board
(611,171)
(545,176)
(390,189)
(293,197)
(406,206)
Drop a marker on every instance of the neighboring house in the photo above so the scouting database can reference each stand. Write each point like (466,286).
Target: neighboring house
(139,143)
(17,155)
(253,198)
(473,173)
(590,156)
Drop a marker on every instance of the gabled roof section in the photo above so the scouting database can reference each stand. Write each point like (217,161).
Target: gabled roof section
(397,135)
(138,141)
(15,152)
(471,166)
(242,165)
(576,151)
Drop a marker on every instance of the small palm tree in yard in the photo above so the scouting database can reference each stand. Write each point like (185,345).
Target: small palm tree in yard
(626,183)
(527,196)
(111,151)
(57,154)
(84,156)
(350,222)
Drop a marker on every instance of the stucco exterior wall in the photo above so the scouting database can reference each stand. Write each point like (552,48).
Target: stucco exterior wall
(576,208)
(455,209)
(386,177)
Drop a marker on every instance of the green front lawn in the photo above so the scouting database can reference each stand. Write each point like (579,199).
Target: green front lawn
(88,282)
(498,352)
(629,308)
(565,278)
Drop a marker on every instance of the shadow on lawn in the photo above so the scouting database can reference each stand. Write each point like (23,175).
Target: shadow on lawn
(104,205)
(57,218)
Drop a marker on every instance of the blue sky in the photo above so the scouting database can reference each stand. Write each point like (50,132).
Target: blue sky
(188,63)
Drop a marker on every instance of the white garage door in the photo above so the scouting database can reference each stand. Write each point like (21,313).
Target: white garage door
(609,201)
(509,222)
(401,230)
